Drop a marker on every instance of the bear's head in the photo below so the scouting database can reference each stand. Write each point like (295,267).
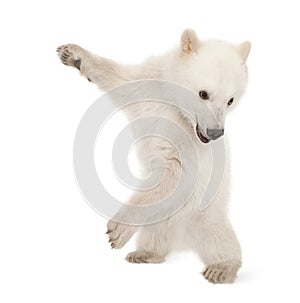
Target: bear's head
(217,72)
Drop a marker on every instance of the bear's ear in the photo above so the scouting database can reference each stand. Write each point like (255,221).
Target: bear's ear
(244,50)
(189,41)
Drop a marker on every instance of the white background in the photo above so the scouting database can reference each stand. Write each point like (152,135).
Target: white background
(52,244)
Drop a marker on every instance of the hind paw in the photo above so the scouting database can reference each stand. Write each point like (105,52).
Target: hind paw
(144,257)
(224,272)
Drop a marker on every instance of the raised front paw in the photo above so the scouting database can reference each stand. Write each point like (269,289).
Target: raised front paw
(69,54)
(224,272)
(119,234)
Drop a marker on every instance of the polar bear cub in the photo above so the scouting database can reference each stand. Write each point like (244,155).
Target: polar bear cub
(217,72)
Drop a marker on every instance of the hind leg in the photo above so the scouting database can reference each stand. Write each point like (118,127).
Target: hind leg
(219,249)
(153,244)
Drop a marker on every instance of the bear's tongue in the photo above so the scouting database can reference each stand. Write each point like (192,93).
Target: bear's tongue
(200,135)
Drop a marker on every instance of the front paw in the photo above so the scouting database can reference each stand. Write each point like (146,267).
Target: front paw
(119,234)
(69,54)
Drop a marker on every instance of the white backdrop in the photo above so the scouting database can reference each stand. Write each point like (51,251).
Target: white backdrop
(52,244)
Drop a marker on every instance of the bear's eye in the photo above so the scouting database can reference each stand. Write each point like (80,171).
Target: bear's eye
(203,95)
(230,102)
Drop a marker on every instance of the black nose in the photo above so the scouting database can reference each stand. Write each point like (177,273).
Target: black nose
(215,133)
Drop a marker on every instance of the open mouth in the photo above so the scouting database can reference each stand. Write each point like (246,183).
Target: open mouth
(200,135)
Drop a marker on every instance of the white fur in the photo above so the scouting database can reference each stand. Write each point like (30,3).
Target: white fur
(218,68)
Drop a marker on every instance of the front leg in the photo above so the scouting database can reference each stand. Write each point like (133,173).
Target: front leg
(152,243)
(119,234)
(105,73)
